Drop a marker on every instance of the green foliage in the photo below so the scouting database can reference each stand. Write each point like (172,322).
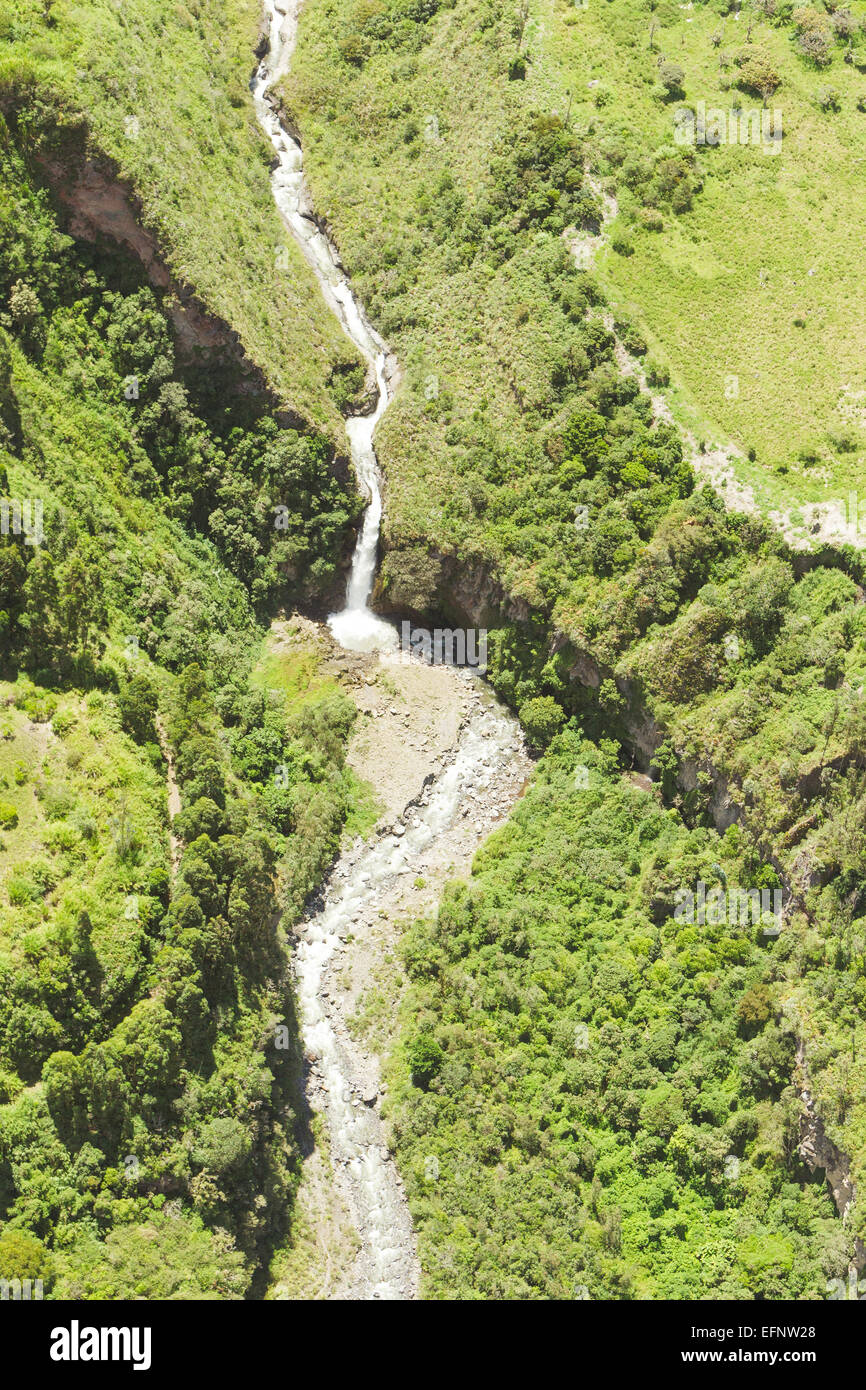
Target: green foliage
(21,1256)
(147,1132)
(541,718)
(594,1119)
(424,1058)
(168,1256)
(137,700)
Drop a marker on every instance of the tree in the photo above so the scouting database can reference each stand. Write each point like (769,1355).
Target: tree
(757,74)
(541,718)
(425,1057)
(672,79)
(815,46)
(137,701)
(520,22)
(22,1256)
(222,1146)
(64,610)
(814,38)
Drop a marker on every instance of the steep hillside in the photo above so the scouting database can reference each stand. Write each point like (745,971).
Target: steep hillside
(541,486)
(737,266)
(625,1053)
(171,793)
(155,95)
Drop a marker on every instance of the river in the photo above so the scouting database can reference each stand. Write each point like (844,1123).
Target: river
(484,774)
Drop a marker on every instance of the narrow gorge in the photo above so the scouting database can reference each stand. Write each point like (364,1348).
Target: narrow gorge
(483,771)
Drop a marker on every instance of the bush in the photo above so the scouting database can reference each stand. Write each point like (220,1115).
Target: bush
(542,718)
(828,99)
(621,244)
(816,47)
(758,73)
(657,374)
(672,80)
(652,219)
(632,339)
(8,816)
(425,1057)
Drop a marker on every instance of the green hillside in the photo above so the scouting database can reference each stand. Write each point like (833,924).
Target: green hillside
(161,90)
(149,1126)
(588,1094)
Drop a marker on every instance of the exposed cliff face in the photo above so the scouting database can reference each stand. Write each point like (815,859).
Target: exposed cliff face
(820,1153)
(423,581)
(725,798)
(97,206)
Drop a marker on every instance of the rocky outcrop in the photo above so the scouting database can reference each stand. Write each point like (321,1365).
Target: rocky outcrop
(420,581)
(819,1153)
(96,206)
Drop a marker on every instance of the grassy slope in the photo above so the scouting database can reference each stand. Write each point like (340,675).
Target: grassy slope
(768,241)
(770,723)
(71,793)
(369,160)
(739,259)
(197,160)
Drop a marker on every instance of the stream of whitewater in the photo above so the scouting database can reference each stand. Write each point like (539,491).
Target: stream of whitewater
(487,767)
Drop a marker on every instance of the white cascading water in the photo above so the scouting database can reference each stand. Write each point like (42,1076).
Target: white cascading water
(357,627)
(485,774)
(489,752)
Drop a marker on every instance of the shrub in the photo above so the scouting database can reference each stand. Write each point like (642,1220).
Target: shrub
(672,80)
(632,340)
(23,890)
(541,718)
(657,374)
(652,219)
(8,816)
(758,73)
(816,47)
(425,1057)
(621,245)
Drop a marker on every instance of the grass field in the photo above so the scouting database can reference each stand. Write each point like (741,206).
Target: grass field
(755,297)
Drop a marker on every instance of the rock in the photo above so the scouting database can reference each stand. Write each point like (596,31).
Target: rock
(370,1095)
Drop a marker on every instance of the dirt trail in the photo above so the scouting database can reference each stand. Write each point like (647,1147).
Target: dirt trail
(818,522)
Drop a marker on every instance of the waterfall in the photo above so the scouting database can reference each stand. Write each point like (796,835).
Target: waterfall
(356,626)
